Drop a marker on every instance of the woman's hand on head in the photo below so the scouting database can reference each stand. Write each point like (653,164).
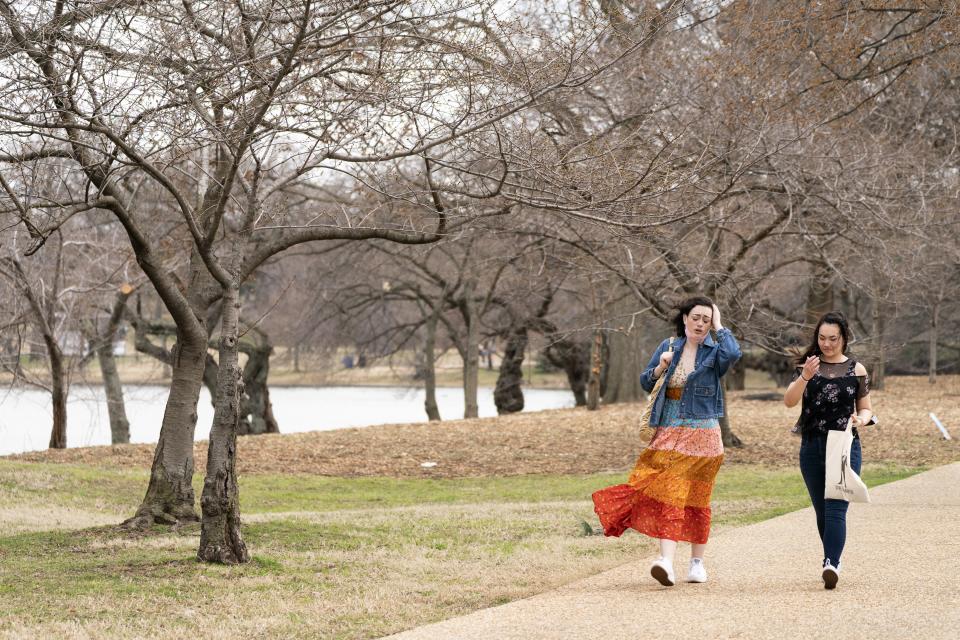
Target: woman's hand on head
(716,319)
(810,367)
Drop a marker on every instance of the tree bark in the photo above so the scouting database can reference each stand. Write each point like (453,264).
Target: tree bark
(220,537)
(820,297)
(58,435)
(727,435)
(430,369)
(508,394)
(934,336)
(170,496)
(574,359)
(471,356)
(211,373)
(256,412)
(596,362)
(779,368)
(623,369)
(119,425)
(58,375)
(879,366)
(737,377)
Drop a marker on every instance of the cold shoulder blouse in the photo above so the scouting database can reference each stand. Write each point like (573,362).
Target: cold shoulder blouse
(830,397)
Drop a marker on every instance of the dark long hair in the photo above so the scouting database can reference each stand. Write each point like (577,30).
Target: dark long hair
(832,317)
(685,308)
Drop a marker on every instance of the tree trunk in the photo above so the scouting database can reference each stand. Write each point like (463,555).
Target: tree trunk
(727,435)
(256,412)
(211,373)
(879,366)
(268,417)
(168,369)
(934,336)
(170,496)
(58,436)
(45,323)
(574,359)
(820,297)
(119,425)
(471,356)
(430,369)
(220,538)
(596,362)
(508,394)
(623,369)
(737,377)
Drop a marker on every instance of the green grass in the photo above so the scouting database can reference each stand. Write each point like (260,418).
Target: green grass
(331,557)
(79,485)
(747,494)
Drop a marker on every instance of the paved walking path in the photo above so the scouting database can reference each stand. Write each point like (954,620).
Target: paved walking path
(901,579)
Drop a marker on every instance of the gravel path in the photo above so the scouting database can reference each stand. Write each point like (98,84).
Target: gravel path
(901,579)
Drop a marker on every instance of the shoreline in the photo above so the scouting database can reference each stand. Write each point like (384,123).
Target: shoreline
(294,385)
(569,440)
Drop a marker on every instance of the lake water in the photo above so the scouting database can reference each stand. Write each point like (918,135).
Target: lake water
(25,414)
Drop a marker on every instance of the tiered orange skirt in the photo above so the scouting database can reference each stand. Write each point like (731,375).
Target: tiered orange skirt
(668,493)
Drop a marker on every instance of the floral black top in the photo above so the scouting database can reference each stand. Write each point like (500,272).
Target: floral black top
(830,398)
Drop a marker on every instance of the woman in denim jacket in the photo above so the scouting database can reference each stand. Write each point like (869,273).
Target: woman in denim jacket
(668,494)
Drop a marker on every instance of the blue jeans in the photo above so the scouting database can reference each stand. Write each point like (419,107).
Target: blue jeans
(831,514)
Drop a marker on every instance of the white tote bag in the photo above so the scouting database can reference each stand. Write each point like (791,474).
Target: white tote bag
(841,481)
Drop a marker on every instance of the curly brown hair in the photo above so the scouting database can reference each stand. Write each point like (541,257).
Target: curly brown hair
(685,308)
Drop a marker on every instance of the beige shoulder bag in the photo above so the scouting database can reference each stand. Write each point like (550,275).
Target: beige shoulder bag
(646,431)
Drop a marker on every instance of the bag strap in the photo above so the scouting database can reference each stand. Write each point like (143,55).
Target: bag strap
(659,382)
(648,410)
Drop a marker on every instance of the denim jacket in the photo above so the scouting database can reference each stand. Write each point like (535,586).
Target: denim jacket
(701,397)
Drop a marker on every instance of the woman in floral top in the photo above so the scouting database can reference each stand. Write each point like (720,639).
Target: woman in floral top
(834,389)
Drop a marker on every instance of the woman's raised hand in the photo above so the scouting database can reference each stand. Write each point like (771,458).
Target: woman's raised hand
(716,319)
(665,359)
(810,367)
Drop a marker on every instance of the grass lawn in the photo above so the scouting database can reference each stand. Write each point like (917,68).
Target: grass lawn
(332,557)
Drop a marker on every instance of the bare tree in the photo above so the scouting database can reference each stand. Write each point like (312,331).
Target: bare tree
(102,343)
(45,313)
(255,131)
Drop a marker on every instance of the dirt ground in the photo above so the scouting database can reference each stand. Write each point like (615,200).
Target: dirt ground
(563,441)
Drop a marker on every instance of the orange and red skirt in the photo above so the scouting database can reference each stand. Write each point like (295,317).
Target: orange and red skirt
(668,493)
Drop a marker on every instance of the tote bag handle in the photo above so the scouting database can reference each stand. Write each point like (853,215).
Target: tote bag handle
(645,429)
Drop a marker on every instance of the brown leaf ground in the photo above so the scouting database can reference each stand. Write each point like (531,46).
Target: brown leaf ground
(568,441)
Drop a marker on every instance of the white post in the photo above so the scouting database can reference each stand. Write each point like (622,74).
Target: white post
(943,429)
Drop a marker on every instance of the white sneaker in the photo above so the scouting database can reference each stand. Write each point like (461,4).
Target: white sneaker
(662,572)
(831,575)
(698,573)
